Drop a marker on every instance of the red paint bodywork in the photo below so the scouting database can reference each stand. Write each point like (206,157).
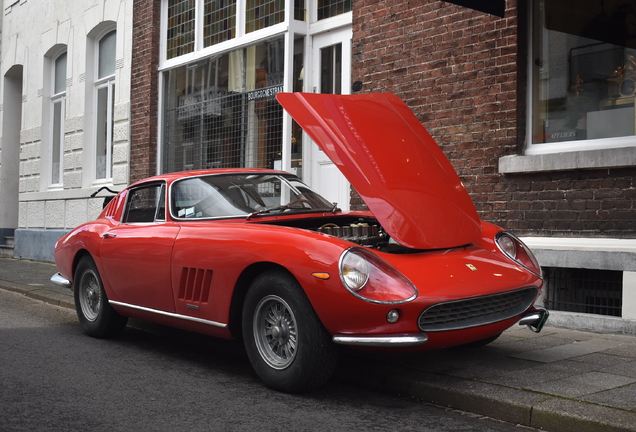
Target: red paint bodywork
(393,163)
(152,270)
(144,264)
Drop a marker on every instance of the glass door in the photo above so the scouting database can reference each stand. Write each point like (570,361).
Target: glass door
(331,73)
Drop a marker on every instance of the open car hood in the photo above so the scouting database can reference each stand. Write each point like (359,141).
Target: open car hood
(393,163)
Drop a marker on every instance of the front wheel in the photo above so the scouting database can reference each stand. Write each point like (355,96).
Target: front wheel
(287,345)
(96,316)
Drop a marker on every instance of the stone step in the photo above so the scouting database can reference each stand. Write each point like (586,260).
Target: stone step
(6,250)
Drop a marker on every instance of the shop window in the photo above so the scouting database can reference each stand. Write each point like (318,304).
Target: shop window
(104,85)
(332,8)
(584,73)
(181,27)
(221,112)
(58,114)
(219,17)
(260,14)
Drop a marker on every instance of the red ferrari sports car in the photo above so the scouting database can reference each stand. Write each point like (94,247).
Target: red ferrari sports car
(257,255)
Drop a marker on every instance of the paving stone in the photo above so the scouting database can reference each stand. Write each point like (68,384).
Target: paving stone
(584,384)
(622,397)
(563,352)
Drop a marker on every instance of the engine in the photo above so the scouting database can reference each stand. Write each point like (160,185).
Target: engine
(362,233)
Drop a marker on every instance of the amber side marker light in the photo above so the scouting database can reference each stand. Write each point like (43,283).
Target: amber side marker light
(323,276)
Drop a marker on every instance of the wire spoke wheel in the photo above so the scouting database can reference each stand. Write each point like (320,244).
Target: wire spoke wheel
(90,295)
(275,332)
(285,341)
(96,315)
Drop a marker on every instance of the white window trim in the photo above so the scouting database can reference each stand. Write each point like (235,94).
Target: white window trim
(560,147)
(98,84)
(57,98)
(110,84)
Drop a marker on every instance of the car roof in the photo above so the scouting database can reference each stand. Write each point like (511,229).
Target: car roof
(171,177)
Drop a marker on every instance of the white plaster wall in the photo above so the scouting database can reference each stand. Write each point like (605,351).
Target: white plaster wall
(629,295)
(30,30)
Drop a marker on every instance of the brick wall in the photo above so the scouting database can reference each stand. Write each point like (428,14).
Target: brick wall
(144,89)
(463,74)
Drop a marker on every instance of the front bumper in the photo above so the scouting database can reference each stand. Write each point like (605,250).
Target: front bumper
(385,341)
(535,319)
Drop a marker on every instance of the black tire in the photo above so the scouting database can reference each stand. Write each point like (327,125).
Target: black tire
(95,314)
(285,341)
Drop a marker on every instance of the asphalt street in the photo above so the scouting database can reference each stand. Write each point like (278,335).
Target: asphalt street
(55,378)
(557,380)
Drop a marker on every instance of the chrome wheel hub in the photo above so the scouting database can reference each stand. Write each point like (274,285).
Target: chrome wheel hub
(275,332)
(90,296)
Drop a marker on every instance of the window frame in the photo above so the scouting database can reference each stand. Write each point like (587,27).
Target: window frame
(55,99)
(99,83)
(161,186)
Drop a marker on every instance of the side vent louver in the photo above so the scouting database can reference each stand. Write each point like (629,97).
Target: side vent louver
(195,285)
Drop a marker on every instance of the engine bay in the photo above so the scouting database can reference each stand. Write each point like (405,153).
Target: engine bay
(363,231)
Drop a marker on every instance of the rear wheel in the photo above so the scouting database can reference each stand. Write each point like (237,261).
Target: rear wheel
(96,316)
(284,339)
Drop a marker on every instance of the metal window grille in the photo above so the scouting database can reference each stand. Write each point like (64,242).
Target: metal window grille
(219,18)
(598,292)
(223,130)
(260,14)
(331,8)
(181,23)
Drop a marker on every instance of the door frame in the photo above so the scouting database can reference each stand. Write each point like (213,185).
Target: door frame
(313,157)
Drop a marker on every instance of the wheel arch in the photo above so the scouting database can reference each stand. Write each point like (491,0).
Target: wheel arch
(81,253)
(240,291)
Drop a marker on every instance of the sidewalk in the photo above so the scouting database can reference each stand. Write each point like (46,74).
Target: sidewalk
(557,380)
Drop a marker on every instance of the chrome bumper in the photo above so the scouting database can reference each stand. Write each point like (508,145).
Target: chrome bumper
(60,280)
(386,341)
(535,319)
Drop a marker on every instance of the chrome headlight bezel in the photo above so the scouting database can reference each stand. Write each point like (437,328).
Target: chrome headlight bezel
(512,247)
(370,278)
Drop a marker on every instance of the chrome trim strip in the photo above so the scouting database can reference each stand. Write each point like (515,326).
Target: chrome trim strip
(60,280)
(384,341)
(168,314)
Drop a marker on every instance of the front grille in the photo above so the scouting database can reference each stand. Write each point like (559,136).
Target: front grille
(476,311)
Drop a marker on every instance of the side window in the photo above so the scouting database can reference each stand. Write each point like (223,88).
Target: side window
(146,204)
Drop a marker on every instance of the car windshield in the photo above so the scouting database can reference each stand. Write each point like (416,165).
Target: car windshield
(247,195)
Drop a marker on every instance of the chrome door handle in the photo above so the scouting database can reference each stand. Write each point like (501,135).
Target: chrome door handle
(109,234)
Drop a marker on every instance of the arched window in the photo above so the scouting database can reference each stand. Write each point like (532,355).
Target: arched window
(104,104)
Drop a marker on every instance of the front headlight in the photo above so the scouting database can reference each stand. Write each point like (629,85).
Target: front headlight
(516,250)
(370,278)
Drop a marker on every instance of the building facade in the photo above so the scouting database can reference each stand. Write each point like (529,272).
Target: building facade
(66,68)
(535,110)
(531,100)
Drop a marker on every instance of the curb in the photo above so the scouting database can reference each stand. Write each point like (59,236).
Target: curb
(517,406)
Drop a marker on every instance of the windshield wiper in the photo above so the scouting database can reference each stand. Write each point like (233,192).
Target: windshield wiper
(280,207)
(283,207)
